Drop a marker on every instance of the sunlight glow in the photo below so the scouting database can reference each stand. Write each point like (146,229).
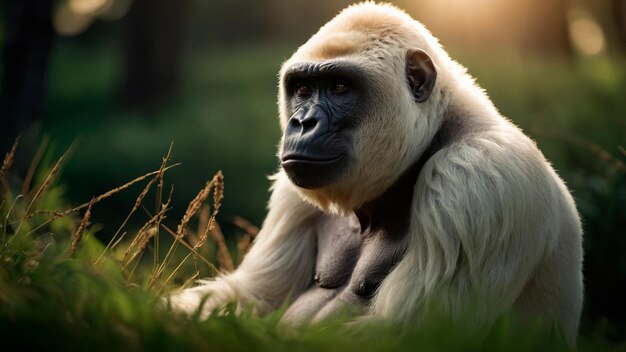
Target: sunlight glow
(73,17)
(117,10)
(68,22)
(89,7)
(586,35)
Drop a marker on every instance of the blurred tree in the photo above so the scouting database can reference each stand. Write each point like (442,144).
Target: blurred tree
(545,27)
(29,35)
(484,26)
(610,16)
(153,41)
(619,11)
(297,20)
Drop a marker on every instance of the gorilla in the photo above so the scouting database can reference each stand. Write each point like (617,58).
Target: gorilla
(401,188)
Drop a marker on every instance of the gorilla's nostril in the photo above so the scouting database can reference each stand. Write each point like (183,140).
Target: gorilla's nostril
(308,124)
(294,123)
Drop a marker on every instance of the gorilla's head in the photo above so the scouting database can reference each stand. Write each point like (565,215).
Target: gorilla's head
(358,104)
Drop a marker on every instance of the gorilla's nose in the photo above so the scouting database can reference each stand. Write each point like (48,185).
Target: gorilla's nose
(314,119)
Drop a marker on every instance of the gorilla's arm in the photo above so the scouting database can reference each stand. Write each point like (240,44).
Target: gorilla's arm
(478,230)
(280,263)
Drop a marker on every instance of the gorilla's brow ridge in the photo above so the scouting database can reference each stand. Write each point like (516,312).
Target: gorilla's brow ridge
(334,68)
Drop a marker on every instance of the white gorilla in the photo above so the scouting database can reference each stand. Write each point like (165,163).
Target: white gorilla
(402,187)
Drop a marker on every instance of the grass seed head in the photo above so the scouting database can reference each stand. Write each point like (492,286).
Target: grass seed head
(9,158)
(78,235)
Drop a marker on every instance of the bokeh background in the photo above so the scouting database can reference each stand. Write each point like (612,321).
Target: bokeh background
(122,79)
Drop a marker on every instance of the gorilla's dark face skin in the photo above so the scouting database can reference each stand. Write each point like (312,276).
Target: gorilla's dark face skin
(323,100)
(326,102)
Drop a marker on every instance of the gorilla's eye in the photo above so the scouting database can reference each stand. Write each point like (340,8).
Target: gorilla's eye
(340,87)
(303,90)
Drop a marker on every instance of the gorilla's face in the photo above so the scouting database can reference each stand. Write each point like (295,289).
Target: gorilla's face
(323,101)
(341,115)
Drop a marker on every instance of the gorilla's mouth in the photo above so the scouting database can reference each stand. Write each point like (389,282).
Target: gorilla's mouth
(301,158)
(311,172)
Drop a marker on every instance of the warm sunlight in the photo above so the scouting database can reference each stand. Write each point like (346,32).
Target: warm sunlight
(586,34)
(73,17)
(88,7)
(328,175)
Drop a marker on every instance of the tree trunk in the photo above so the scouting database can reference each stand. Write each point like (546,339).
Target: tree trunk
(153,41)
(619,12)
(29,35)
(546,28)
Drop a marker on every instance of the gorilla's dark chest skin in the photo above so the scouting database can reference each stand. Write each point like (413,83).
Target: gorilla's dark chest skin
(355,253)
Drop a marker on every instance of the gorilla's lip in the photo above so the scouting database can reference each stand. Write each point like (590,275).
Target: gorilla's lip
(309,159)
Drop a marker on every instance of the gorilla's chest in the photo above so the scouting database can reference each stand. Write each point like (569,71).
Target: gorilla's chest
(349,267)
(355,253)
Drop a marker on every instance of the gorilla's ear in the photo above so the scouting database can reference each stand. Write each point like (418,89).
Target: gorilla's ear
(421,74)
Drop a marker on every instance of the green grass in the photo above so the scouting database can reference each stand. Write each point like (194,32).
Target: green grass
(225,119)
(54,299)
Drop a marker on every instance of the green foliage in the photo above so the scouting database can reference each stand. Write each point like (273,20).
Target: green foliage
(53,297)
(50,300)
(225,119)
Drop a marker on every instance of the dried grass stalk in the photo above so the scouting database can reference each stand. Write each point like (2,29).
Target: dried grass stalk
(164,208)
(203,222)
(608,158)
(34,164)
(78,235)
(244,243)
(193,207)
(42,191)
(246,225)
(123,187)
(140,234)
(597,150)
(191,211)
(159,198)
(115,240)
(224,259)
(143,238)
(218,195)
(151,225)
(57,213)
(50,178)
(9,158)
(159,177)
(197,202)
(143,194)
(157,272)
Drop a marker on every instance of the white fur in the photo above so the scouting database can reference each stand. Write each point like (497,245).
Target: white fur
(490,217)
